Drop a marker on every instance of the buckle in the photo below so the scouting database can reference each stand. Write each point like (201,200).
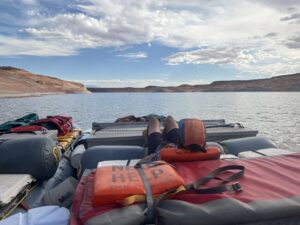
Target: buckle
(138,165)
(237,187)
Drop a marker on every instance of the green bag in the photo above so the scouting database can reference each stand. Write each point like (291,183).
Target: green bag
(23,121)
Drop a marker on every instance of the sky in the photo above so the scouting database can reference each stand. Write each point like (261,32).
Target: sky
(136,43)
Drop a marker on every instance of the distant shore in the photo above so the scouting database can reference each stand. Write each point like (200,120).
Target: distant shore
(26,95)
(37,94)
(283,83)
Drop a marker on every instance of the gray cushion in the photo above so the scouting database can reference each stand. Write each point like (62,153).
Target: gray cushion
(215,144)
(95,154)
(235,146)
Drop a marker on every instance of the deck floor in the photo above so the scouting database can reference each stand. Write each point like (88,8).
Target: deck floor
(132,133)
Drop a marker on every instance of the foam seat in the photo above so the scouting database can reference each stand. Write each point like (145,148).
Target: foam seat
(263,152)
(11,185)
(235,146)
(95,154)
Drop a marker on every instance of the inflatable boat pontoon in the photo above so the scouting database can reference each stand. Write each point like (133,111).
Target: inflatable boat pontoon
(46,179)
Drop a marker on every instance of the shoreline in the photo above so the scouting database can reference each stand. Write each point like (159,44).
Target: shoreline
(40,94)
(36,94)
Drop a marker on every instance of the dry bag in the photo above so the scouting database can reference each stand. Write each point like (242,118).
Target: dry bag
(37,156)
(192,134)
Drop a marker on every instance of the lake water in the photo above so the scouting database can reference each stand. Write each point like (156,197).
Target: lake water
(275,115)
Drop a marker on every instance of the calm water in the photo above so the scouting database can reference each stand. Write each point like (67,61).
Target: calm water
(276,115)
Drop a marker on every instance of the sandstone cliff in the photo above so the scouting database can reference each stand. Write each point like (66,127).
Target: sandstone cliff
(16,82)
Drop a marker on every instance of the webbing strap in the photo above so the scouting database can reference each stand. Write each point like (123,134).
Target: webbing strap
(150,213)
(236,187)
(196,148)
(260,153)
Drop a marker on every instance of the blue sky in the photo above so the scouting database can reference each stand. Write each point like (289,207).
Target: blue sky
(117,43)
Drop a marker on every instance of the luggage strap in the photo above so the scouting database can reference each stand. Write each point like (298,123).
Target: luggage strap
(151,205)
(150,213)
(235,187)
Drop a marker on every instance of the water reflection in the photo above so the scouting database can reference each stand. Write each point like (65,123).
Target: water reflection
(275,115)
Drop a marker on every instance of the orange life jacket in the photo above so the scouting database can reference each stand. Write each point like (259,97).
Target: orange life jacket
(123,184)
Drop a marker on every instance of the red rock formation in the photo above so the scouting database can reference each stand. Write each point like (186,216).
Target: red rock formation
(19,82)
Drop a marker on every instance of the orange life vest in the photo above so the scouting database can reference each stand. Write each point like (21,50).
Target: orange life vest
(123,184)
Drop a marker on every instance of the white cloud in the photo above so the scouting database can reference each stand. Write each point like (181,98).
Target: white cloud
(292,17)
(219,55)
(172,23)
(294,43)
(246,59)
(237,33)
(134,55)
(136,83)
(11,46)
(29,2)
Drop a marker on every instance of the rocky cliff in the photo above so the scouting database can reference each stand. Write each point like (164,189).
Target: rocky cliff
(279,83)
(18,82)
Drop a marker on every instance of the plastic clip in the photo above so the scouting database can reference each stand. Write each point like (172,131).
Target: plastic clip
(237,187)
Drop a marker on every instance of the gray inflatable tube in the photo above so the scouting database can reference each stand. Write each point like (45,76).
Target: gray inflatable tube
(37,156)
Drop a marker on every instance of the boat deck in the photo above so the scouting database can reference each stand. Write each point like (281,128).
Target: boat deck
(130,133)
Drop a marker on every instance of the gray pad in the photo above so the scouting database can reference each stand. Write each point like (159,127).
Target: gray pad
(235,146)
(93,155)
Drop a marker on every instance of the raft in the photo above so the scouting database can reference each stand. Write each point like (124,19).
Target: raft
(46,169)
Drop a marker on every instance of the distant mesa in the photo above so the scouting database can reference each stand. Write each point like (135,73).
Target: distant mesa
(16,82)
(283,83)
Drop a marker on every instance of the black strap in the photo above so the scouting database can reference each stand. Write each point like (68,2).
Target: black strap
(236,187)
(150,213)
(239,125)
(256,151)
(196,148)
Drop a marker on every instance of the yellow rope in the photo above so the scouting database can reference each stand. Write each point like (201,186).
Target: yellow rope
(16,204)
